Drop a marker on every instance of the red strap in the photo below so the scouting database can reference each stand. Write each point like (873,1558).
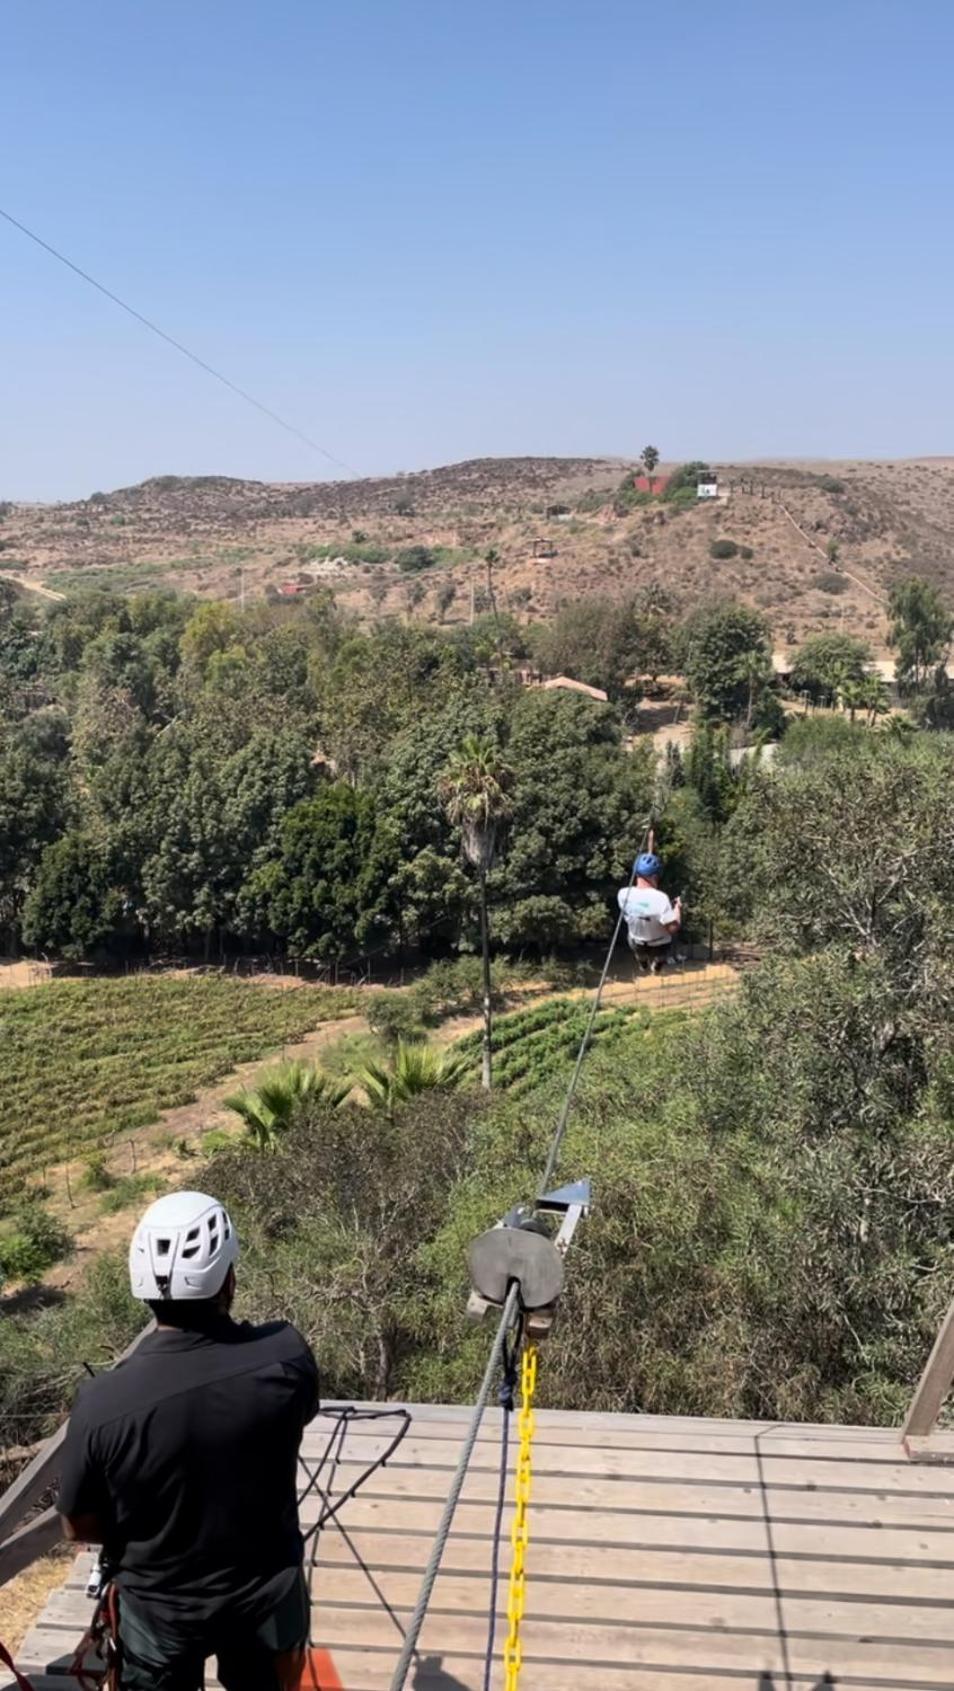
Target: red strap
(8,1661)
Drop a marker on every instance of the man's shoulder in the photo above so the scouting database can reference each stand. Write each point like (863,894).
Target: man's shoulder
(278,1341)
(102,1398)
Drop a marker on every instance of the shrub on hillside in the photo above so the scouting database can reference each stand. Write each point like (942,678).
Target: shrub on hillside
(31,1241)
(723,549)
(414,558)
(830,581)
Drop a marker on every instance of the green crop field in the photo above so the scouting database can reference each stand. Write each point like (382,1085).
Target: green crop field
(82,1061)
(529,1044)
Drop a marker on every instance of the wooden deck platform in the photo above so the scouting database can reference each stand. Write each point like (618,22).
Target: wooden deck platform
(665,1555)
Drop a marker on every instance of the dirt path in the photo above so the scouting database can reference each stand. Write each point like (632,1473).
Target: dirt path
(26,972)
(31,586)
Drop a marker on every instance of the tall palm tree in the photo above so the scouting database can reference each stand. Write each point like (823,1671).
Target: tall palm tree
(474,789)
(649,458)
(270,1108)
(754,670)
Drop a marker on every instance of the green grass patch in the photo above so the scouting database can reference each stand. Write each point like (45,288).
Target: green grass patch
(530,1044)
(85,1060)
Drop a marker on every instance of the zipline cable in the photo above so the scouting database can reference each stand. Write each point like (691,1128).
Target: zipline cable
(561,1126)
(507,1317)
(147,323)
(443,1531)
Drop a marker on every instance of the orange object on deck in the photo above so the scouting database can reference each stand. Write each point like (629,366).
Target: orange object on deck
(319,1673)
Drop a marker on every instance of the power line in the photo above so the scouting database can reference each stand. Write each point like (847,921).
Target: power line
(170,340)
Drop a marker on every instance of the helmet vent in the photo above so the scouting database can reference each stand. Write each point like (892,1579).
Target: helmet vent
(162,1247)
(190,1251)
(192,1235)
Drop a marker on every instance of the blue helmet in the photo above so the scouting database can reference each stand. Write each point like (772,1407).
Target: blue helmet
(648,864)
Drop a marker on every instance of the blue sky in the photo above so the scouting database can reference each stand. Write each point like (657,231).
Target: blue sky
(425,231)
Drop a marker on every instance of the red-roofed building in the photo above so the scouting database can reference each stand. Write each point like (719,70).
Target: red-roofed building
(650,484)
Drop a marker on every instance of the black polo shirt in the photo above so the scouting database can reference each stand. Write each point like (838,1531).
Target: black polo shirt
(186,1454)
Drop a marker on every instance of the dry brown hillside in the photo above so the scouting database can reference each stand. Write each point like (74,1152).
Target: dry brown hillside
(217,536)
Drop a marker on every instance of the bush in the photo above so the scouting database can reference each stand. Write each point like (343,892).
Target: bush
(129,1189)
(30,1243)
(393,1016)
(42,1355)
(414,558)
(747,553)
(96,1176)
(723,549)
(831,484)
(829,581)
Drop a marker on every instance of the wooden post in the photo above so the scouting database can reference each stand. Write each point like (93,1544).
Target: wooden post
(934,1384)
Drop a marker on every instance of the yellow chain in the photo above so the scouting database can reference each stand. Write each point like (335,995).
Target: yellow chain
(520,1532)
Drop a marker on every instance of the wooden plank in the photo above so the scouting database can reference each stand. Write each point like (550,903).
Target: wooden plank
(723,1608)
(934,1384)
(670,1530)
(883,1448)
(589,1427)
(873,1508)
(934,1447)
(683,1467)
(33,1540)
(632,1421)
(685,1568)
(371,1670)
(683,1645)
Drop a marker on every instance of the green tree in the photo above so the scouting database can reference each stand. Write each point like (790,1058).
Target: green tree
(605,642)
(474,790)
(579,807)
(325,891)
(73,908)
(824,661)
(724,647)
(920,628)
(649,458)
(34,809)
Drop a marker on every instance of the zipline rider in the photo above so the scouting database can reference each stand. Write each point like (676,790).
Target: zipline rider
(651,921)
(182,1463)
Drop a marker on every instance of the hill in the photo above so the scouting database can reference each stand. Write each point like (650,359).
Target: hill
(218,536)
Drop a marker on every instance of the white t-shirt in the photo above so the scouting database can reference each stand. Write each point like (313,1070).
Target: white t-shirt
(646,910)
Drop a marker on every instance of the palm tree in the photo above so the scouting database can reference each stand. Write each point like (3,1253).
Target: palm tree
(270,1108)
(754,669)
(874,697)
(853,696)
(474,790)
(492,557)
(414,1068)
(649,458)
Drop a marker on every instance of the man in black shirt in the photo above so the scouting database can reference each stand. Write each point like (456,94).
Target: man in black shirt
(182,1463)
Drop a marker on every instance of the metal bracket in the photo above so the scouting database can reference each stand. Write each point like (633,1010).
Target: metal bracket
(521,1247)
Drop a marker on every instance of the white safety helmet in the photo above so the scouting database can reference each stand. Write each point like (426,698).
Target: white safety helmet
(183,1248)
